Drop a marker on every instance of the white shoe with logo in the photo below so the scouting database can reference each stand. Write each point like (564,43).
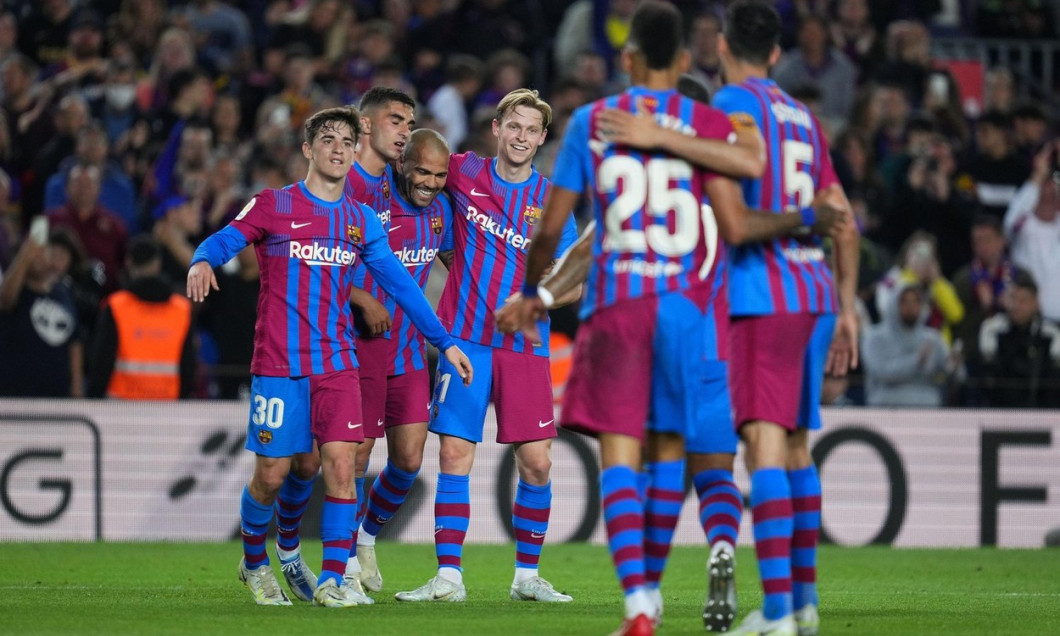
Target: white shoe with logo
(435,590)
(262,584)
(537,589)
(371,578)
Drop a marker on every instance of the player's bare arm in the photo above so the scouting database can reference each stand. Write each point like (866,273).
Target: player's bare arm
(741,156)
(843,352)
(460,361)
(201,280)
(375,315)
(739,225)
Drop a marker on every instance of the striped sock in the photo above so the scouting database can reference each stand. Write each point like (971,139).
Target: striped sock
(806,504)
(290,506)
(385,497)
(254,521)
(720,505)
(336,531)
(530,520)
(773,526)
(359,514)
(643,481)
(661,512)
(452,511)
(624,516)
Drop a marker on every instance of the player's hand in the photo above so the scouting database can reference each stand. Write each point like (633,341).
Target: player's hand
(375,315)
(201,280)
(636,130)
(831,212)
(521,315)
(843,352)
(461,363)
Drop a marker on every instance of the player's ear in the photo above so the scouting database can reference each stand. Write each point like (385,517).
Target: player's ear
(774,55)
(684,60)
(496,128)
(307,150)
(625,60)
(366,126)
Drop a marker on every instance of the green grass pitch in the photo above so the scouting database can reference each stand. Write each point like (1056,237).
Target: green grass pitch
(179,588)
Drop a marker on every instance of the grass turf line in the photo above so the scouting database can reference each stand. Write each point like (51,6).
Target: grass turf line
(185,588)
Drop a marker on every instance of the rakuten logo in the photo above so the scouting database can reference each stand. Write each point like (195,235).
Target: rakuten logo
(316,254)
(413,258)
(489,225)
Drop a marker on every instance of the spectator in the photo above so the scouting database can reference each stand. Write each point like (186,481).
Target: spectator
(592,26)
(226,120)
(142,348)
(70,117)
(984,283)
(995,171)
(854,34)
(174,52)
(942,102)
(1020,352)
(448,105)
(918,264)
(224,195)
(318,24)
(82,64)
(908,60)
(703,43)
(867,192)
(506,70)
(816,63)
(116,108)
(8,37)
(102,233)
(1031,128)
(178,222)
(931,200)
(905,360)
(999,90)
(889,122)
(487,26)
(139,24)
(300,95)
(222,35)
(116,189)
(1032,227)
(43,33)
(40,352)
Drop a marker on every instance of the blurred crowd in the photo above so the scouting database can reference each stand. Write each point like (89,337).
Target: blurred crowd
(147,124)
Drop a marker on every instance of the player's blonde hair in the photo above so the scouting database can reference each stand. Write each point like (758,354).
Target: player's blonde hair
(524,97)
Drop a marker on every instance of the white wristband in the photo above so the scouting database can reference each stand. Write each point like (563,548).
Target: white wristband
(545,296)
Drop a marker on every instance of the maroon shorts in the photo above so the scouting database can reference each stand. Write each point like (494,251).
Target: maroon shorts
(389,400)
(609,390)
(335,407)
(765,367)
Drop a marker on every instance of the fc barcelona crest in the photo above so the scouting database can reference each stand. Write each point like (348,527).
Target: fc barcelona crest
(531,214)
(353,233)
(436,224)
(386,188)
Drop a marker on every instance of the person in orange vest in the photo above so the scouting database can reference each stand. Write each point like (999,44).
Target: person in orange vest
(142,348)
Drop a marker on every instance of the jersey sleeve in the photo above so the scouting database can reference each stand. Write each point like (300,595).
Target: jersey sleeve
(740,106)
(572,162)
(568,238)
(399,284)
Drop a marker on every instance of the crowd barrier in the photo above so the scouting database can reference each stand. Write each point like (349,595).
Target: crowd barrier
(119,471)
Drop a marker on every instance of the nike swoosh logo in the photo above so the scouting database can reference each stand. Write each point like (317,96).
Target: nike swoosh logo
(352,425)
(379,422)
(541,424)
(535,535)
(295,226)
(393,228)
(476,193)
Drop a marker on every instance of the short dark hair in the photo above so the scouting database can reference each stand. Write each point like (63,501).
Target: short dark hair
(379,96)
(1023,280)
(329,117)
(987,220)
(655,32)
(996,118)
(691,87)
(143,250)
(752,30)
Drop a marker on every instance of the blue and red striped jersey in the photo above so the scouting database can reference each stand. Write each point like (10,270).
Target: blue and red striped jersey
(307,249)
(786,275)
(376,193)
(655,230)
(416,236)
(492,223)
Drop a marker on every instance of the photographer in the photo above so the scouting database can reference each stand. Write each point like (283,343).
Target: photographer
(1032,227)
(930,200)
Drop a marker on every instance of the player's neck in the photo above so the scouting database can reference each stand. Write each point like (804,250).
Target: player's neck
(371,162)
(658,80)
(738,72)
(323,188)
(512,173)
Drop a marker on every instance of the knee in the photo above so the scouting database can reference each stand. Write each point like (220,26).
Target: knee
(408,460)
(306,467)
(454,459)
(535,470)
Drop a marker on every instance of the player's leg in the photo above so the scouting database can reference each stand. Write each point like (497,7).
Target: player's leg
(608,395)
(291,504)
(372,355)
(805,482)
(277,429)
(458,413)
(522,395)
(665,467)
(334,397)
(406,434)
(766,363)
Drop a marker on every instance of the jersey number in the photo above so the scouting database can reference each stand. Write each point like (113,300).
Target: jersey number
(798,184)
(267,411)
(647,187)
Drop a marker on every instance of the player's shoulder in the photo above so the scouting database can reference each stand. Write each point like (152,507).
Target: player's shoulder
(462,160)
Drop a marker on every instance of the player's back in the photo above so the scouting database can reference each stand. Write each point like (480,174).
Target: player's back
(787,274)
(307,249)
(376,193)
(655,231)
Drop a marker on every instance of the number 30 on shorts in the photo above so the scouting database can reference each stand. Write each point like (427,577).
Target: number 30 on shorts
(267,411)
